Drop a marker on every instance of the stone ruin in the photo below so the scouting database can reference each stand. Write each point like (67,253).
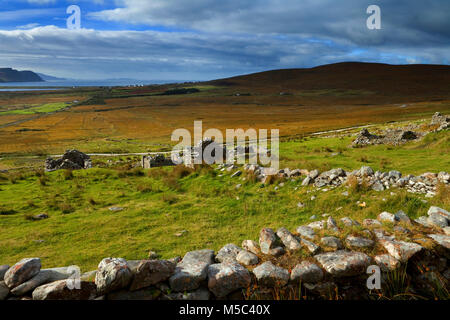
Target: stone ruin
(71,160)
(390,136)
(156,161)
(400,136)
(442,121)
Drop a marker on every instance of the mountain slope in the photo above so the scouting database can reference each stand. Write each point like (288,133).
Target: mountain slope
(383,79)
(11,75)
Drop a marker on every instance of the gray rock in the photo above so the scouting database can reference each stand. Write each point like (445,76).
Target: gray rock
(344,263)
(228,253)
(442,239)
(371,223)
(22,271)
(205,255)
(60,290)
(402,217)
(447,231)
(394,175)
(386,217)
(189,275)
(332,225)
(151,272)
(307,272)
(320,225)
(224,278)
(401,230)
(288,239)
(349,222)
(313,174)
(43,277)
(306,232)
(251,246)
(267,240)
(437,220)
(3,270)
(311,246)
(365,171)
(270,275)
(386,262)
(277,251)
(133,265)
(146,294)
(440,211)
(112,274)
(401,250)
(377,186)
(423,221)
(4,291)
(358,242)
(247,258)
(306,182)
(332,242)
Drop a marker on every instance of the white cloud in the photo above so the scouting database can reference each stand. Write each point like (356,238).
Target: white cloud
(92,54)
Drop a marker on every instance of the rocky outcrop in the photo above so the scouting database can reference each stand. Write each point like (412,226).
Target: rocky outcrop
(71,160)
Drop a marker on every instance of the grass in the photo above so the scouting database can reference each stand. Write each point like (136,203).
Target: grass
(45,108)
(160,202)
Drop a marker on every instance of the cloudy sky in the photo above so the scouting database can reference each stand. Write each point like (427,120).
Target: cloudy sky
(207,39)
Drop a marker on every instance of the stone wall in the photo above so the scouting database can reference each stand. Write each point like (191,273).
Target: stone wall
(327,258)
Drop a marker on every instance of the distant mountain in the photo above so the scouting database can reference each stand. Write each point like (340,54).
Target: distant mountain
(46,77)
(11,75)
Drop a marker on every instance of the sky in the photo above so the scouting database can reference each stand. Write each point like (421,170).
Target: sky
(210,39)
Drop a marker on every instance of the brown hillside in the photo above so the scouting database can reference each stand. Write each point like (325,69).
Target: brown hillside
(382,79)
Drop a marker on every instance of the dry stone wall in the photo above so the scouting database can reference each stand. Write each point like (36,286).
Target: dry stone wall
(280,261)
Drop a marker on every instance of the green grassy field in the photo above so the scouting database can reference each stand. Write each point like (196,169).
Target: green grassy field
(46,108)
(160,203)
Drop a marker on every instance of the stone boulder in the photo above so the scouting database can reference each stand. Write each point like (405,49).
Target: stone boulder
(224,278)
(344,263)
(63,290)
(306,272)
(22,271)
(288,239)
(192,271)
(112,274)
(251,246)
(228,253)
(247,258)
(269,275)
(151,272)
(43,277)
(401,250)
